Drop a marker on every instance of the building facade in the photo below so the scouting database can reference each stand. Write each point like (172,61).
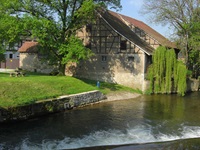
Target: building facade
(11,57)
(123,49)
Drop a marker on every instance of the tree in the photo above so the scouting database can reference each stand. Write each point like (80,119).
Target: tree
(2,58)
(183,16)
(53,23)
(166,74)
(9,29)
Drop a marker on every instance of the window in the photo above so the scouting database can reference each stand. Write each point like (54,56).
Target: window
(123,45)
(10,56)
(131,58)
(103,58)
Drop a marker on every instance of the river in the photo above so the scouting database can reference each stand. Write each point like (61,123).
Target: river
(146,122)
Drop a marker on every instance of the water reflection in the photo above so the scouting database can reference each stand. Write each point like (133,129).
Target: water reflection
(145,119)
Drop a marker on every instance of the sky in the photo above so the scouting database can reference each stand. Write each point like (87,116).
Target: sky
(131,8)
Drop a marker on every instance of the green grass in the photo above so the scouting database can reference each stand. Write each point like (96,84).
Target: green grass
(110,87)
(15,91)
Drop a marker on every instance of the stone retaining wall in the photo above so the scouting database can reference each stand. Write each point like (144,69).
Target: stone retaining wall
(49,106)
(193,85)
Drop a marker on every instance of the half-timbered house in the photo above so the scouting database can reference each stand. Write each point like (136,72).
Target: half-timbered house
(123,49)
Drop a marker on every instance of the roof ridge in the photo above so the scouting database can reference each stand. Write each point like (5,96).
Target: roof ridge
(131,24)
(108,21)
(149,31)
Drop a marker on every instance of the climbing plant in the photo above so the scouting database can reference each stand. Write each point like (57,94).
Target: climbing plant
(167,74)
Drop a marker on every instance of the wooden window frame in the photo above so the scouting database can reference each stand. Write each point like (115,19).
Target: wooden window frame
(123,45)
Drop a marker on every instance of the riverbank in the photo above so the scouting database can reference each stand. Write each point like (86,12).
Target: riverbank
(54,105)
(35,95)
(113,96)
(20,91)
(62,103)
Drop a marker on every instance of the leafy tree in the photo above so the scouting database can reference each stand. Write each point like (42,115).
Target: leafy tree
(166,74)
(9,31)
(54,23)
(183,16)
(2,58)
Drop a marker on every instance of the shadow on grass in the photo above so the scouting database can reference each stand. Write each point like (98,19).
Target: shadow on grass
(110,87)
(103,85)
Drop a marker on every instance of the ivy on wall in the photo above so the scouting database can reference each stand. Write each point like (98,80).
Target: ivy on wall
(167,74)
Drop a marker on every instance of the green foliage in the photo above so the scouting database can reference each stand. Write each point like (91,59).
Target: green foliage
(171,67)
(2,57)
(183,17)
(74,51)
(159,62)
(10,29)
(181,78)
(113,4)
(150,76)
(52,23)
(166,74)
(194,59)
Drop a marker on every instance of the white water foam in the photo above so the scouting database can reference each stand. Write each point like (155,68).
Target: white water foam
(137,135)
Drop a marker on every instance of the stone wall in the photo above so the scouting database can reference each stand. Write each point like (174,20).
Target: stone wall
(116,60)
(117,68)
(49,106)
(31,62)
(193,85)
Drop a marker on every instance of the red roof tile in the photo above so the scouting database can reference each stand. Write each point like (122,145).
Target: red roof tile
(28,47)
(148,30)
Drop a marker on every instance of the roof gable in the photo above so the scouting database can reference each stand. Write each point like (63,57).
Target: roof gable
(115,22)
(122,25)
(28,47)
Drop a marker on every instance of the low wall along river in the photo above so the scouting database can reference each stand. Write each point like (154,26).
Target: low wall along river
(49,106)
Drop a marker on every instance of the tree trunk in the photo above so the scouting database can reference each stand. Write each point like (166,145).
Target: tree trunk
(61,69)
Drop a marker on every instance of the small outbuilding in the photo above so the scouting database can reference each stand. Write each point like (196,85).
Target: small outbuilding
(31,60)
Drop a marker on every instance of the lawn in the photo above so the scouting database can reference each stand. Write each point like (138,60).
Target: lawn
(15,91)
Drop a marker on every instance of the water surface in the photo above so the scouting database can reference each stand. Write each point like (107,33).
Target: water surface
(146,120)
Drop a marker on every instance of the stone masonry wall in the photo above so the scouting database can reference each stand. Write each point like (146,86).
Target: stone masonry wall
(49,106)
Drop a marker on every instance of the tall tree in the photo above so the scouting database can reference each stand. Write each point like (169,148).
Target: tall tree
(53,23)
(183,16)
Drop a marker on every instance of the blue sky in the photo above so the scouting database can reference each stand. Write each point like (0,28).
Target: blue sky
(131,8)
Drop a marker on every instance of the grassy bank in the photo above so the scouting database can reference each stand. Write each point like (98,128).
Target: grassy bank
(16,91)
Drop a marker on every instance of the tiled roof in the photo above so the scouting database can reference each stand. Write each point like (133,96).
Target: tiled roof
(115,22)
(119,23)
(28,47)
(148,30)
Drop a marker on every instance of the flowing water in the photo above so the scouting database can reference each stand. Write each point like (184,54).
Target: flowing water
(143,122)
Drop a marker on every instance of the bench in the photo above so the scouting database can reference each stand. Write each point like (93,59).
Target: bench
(17,73)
